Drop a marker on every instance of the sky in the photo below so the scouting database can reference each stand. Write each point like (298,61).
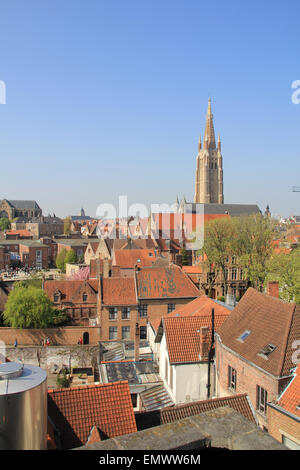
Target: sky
(108,98)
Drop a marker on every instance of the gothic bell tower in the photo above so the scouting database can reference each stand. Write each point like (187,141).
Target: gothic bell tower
(209,168)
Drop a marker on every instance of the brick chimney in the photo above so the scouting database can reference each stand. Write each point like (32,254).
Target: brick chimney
(106,267)
(137,342)
(204,342)
(273,288)
(99,295)
(115,271)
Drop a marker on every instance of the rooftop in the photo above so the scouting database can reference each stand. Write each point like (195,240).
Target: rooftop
(75,411)
(271,321)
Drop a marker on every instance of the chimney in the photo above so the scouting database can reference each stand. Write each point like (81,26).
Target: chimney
(99,295)
(273,288)
(137,342)
(204,343)
(115,271)
(106,267)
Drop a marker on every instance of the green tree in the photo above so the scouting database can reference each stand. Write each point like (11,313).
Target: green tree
(34,281)
(184,257)
(253,246)
(67,225)
(218,247)
(60,260)
(4,224)
(285,268)
(70,257)
(62,380)
(28,307)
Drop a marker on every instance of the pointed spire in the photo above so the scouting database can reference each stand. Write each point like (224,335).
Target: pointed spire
(209,134)
(219,143)
(199,144)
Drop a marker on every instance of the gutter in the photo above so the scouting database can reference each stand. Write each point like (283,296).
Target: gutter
(252,363)
(284,412)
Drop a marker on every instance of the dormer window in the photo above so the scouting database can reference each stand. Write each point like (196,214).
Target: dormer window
(268,349)
(84,297)
(56,297)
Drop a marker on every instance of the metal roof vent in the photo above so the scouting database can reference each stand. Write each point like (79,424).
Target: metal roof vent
(10,370)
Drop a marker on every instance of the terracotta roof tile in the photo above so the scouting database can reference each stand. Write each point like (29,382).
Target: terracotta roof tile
(270,321)
(290,398)
(76,410)
(168,282)
(119,291)
(128,258)
(183,337)
(240,403)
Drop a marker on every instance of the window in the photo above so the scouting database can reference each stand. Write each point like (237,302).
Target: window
(143,332)
(113,332)
(125,313)
(134,399)
(261,399)
(56,297)
(234,274)
(143,310)
(231,378)
(113,313)
(290,443)
(244,335)
(268,349)
(171,307)
(125,332)
(84,297)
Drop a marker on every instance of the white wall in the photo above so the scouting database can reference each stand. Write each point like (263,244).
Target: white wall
(155,347)
(189,380)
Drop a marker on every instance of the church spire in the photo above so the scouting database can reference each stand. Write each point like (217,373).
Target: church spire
(199,144)
(209,134)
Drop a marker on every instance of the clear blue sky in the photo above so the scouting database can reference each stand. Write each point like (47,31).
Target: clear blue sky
(109,97)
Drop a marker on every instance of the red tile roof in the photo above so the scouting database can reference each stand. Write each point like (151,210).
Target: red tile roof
(200,306)
(70,288)
(119,291)
(128,258)
(240,403)
(76,410)
(183,337)
(290,398)
(270,321)
(21,233)
(165,282)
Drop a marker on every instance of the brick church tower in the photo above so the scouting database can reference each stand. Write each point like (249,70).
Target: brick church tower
(209,170)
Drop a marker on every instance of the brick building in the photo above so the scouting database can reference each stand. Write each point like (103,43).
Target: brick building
(284,414)
(254,349)
(12,208)
(27,253)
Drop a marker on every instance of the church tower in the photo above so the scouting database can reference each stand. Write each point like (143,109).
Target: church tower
(209,169)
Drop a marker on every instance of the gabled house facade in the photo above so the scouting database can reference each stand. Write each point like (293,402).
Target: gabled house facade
(254,349)
(186,355)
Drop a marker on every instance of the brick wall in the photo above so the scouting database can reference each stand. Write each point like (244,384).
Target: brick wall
(248,377)
(158,308)
(58,336)
(279,424)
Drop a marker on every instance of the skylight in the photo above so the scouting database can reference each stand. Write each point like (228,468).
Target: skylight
(244,335)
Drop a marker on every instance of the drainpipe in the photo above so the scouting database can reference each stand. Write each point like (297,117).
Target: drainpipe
(210,352)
